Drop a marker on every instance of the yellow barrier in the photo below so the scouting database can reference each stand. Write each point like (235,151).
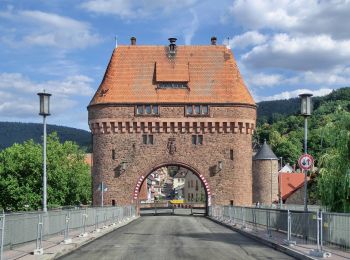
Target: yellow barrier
(177,201)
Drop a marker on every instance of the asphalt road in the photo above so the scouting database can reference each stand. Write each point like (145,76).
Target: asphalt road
(174,237)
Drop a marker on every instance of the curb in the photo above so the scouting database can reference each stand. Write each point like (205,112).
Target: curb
(67,251)
(278,247)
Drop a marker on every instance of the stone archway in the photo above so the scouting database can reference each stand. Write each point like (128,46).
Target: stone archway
(143,177)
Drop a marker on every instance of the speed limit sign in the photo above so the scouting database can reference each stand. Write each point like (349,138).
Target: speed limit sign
(306,161)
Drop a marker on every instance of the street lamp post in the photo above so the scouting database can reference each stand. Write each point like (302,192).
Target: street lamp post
(44,111)
(280,175)
(305,110)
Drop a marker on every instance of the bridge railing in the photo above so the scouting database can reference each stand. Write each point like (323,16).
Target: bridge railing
(290,226)
(19,228)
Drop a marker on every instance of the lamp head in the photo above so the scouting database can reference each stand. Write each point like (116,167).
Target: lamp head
(305,104)
(44,103)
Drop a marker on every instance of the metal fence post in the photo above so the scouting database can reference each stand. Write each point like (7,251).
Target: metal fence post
(233,215)
(96,222)
(268,224)
(243,212)
(84,217)
(321,229)
(2,238)
(105,218)
(39,237)
(229,213)
(319,251)
(288,241)
(67,240)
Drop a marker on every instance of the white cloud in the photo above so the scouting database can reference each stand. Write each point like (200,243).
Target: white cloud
(312,16)
(295,93)
(39,28)
(250,38)
(129,9)
(299,53)
(72,85)
(264,80)
(191,28)
(18,94)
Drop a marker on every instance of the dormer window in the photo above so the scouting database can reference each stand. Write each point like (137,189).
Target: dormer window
(172,85)
(144,110)
(197,110)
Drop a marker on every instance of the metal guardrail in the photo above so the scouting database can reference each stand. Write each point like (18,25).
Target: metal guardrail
(317,228)
(2,231)
(169,208)
(297,207)
(18,228)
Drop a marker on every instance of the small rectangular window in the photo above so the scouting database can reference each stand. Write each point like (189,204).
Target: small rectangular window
(148,109)
(147,139)
(197,139)
(144,139)
(189,110)
(113,154)
(194,139)
(172,85)
(231,154)
(197,109)
(139,110)
(205,110)
(113,202)
(200,139)
(155,109)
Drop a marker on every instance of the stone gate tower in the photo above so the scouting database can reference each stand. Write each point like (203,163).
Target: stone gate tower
(172,105)
(265,176)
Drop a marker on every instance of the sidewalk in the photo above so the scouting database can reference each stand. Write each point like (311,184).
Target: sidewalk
(55,247)
(276,240)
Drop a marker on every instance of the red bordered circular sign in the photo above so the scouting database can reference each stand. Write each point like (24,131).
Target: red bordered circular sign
(306,161)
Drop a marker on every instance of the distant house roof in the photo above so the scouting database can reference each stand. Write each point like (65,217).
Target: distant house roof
(265,153)
(180,174)
(287,168)
(289,183)
(88,159)
(210,72)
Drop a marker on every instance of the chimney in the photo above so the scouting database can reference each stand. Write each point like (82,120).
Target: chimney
(133,40)
(172,46)
(213,40)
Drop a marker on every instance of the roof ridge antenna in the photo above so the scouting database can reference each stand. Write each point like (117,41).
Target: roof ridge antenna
(116,41)
(228,43)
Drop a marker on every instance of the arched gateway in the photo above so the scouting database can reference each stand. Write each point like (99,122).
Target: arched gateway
(140,182)
(172,105)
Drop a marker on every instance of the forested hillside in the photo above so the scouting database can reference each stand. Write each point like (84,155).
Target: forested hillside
(272,111)
(11,132)
(328,142)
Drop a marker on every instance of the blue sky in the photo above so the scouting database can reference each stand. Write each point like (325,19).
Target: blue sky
(282,47)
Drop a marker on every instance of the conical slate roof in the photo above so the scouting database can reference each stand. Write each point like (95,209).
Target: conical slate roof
(265,153)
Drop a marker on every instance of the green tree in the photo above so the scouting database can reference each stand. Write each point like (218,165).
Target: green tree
(334,180)
(69,179)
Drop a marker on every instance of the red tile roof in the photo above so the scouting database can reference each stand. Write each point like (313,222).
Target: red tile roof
(290,183)
(134,71)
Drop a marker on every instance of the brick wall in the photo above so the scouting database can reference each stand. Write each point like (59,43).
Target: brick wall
(233,182)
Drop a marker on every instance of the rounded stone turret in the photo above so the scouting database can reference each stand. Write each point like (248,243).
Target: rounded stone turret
(265,176)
